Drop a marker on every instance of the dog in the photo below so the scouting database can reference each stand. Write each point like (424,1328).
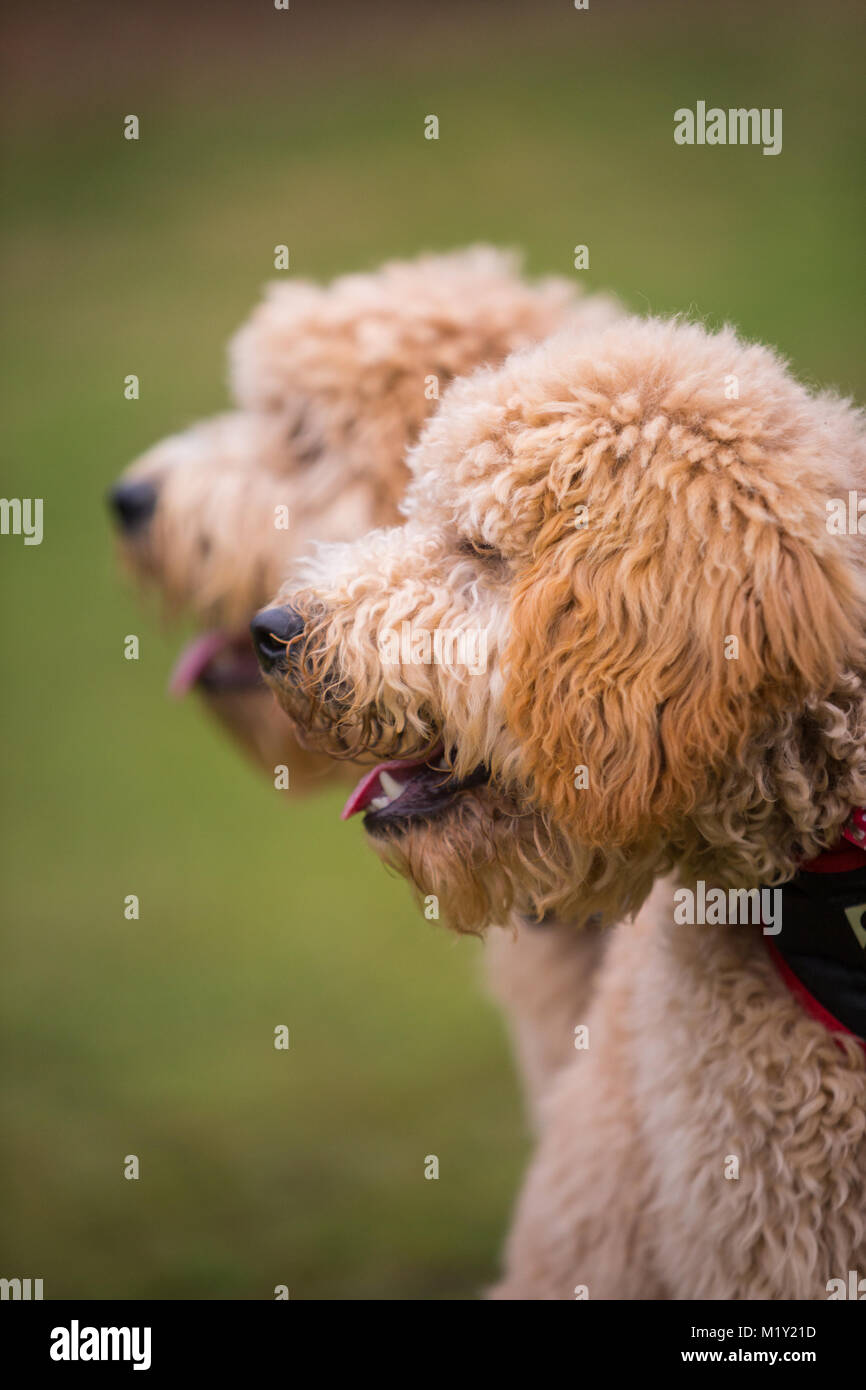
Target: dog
(330,386)
(673,708)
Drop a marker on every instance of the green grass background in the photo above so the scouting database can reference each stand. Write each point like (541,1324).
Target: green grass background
(155,1038)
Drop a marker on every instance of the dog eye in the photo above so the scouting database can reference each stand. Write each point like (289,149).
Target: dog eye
(302,439)
(309,453)
(480,549)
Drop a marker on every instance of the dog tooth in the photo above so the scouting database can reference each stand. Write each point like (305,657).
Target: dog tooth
(380,802)
(390,785)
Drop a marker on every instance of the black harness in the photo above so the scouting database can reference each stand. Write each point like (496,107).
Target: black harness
(821,950)
(823,940)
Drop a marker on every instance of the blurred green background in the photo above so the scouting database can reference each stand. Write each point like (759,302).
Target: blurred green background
(306,127)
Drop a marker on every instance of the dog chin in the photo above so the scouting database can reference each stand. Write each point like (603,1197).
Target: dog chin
(454,863)
(483,860)
(475,862)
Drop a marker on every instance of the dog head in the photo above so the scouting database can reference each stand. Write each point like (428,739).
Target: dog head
(613,633)
(331,384)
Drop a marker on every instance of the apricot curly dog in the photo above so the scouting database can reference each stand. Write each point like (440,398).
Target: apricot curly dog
(667,725)
(331,384)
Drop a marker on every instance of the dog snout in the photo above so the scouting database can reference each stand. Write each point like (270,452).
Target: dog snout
(133,503)
(272,630)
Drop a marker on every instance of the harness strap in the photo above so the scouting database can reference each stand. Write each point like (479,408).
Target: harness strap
(813,1007)
(848,856)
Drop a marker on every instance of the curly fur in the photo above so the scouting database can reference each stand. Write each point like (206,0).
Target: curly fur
(695,640)
(330,385)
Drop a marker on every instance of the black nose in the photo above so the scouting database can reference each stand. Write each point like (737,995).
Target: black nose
(272,630)
(133,503)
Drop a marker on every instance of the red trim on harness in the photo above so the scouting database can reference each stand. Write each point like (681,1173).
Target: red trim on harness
(845,855)
(813,1007)
(849,852)
(854,828)
(838,860)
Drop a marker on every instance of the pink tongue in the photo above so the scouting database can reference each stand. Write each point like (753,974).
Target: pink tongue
(368,787)
(195,656)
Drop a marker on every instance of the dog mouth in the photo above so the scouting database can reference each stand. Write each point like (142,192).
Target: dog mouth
(216,662)
(396,794)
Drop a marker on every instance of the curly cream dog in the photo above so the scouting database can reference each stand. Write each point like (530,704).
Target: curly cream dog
(331,384)
(674,703)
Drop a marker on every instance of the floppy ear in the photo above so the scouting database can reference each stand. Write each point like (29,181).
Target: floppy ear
(650,658)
